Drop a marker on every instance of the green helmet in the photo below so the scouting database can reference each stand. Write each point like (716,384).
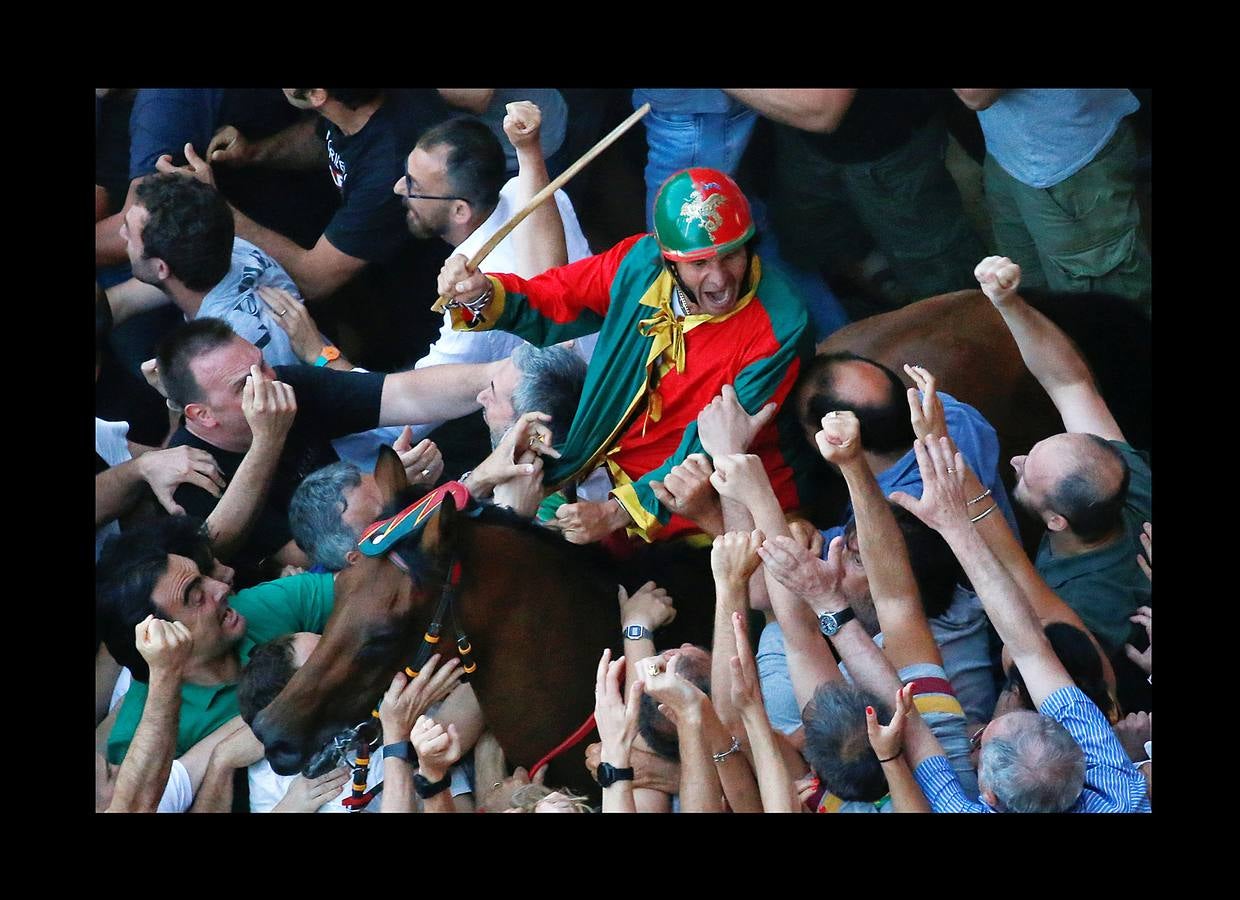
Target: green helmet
(700,213)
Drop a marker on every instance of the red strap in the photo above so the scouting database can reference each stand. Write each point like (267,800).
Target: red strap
(568,742)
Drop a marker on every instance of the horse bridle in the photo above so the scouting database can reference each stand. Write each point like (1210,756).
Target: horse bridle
(364,738)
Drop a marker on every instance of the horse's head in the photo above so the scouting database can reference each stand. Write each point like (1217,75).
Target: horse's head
(382,605)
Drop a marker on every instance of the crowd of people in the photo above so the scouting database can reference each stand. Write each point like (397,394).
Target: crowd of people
(265,267)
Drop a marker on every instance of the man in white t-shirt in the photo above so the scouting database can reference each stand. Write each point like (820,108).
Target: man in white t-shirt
(454,190)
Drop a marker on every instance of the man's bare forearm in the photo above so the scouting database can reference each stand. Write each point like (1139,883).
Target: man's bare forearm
(398,786)
(539,241)
(700,790)
(144,774)
(129,298)
(434,394)
(117,489)
(809,661)
(810,109)
(1048,353)
(729,597)
(230,522)
(296,147)
(906,794)
(215,794)
(774,782)
(897,600)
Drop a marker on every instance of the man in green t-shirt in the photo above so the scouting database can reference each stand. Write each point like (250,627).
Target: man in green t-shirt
(159,570)
(1088,486)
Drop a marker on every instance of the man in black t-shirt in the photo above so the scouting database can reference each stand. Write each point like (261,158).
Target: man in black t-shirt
(210,372)
(367,132)
(852,162)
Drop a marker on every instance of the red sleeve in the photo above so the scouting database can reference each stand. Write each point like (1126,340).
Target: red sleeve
(562,293)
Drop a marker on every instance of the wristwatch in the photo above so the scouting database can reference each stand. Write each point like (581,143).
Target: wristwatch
(830,623)
(326,355)
(637,632)
(401,750)
(427,789)
(609,775)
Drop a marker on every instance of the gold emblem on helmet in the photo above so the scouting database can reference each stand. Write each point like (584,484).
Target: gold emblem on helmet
(705,211)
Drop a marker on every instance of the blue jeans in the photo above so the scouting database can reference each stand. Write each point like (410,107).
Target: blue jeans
(718,140)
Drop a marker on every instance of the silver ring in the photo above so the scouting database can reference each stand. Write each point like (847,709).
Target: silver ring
(847,443)
(950,470)
(425,472)
(832,414)
(280,312)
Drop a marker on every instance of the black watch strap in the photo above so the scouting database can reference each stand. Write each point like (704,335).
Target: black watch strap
(427,789)
(830,623)
(401,750)
(609,775)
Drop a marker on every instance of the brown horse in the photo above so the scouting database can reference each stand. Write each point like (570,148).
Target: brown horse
(538,612)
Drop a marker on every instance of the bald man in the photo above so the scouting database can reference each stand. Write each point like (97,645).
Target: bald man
(1087,486)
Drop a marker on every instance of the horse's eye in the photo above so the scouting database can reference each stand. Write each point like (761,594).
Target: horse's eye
(380,643)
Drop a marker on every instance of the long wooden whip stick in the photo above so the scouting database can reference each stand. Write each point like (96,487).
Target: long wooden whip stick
(538,199)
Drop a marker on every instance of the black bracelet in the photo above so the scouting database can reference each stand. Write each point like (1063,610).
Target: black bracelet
(898,754)
(401,750)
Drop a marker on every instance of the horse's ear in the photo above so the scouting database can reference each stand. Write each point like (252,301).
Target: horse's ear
(389,474)
(440,530)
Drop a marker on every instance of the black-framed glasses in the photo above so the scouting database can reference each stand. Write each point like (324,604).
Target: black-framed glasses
(410,195)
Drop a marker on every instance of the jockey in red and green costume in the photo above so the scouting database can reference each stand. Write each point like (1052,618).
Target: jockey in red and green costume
(652,372)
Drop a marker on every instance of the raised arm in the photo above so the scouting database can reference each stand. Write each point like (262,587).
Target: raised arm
(434,394)
(539,241)
(745,695)
(742,478)
(944,507)
(733,559)
(897,602)
(617,728)
(888,744)
(270,408)
(295,147)
(140,783)
(810,109)
(1048,353)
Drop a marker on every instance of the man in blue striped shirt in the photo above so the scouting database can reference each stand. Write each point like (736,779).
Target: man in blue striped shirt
(1065,759)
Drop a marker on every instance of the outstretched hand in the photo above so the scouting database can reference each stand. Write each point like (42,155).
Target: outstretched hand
(725,427)
(615,716)
(196,167)
(888,740)
(944,500)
